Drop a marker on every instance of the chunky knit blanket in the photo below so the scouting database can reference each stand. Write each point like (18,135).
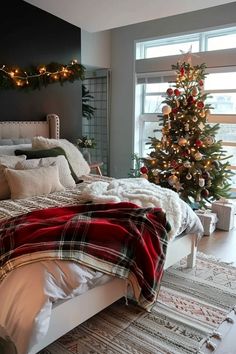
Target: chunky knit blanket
(140,192)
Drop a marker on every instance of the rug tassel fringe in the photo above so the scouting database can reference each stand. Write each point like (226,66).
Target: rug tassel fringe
(210,345)
(216,334)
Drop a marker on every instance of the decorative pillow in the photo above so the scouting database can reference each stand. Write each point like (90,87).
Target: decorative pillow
(29,183)
(53,152)
(63,168)
(7,162)
(78,163)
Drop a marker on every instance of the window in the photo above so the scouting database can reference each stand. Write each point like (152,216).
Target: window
(220,83)
(199,42)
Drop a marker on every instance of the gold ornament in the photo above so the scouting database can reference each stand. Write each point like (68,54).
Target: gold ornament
(182,141)
(166,110)
(198,156)
(172,180)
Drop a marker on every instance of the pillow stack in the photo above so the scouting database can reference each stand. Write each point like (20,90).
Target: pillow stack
(52,165)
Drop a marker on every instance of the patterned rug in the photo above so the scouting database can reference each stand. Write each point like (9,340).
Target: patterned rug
(191,305)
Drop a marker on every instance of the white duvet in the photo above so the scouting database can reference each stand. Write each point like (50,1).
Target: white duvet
(23,326)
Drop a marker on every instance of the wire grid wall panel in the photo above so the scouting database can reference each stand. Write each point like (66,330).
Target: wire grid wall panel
(98,128)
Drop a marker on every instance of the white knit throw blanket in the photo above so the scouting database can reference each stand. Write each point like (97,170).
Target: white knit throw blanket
(138,191)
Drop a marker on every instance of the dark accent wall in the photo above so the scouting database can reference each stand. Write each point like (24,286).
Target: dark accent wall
(32,36)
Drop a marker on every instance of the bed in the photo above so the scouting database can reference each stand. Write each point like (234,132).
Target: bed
(74,308)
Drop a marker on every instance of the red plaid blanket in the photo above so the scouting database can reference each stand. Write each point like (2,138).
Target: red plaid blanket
(119,239)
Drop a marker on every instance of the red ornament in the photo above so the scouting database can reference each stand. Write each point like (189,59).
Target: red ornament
(169,91)
(144,170)
(182,71)
(190,100)
(175,110)
(200,82)
(177,92)
(205,193)
(198,143)
(174,164)
(200,104)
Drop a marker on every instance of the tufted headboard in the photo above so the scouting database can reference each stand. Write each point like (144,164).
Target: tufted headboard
(28,129)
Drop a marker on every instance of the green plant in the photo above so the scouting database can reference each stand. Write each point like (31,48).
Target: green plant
(87,109)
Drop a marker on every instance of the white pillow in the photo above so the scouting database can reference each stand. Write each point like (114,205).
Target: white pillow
(63,168)
(29,183)
(10,149)
(74,156)
(7,162)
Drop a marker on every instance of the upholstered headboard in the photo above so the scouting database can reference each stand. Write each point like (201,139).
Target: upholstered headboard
(28,129)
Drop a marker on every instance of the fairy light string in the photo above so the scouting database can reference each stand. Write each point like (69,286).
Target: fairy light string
(36,77)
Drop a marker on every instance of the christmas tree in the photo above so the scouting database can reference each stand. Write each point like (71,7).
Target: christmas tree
(188,159)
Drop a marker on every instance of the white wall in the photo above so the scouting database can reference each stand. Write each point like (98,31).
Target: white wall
(96,49)
(122,64)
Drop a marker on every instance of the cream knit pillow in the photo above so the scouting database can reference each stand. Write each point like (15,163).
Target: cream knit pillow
(65,176)
(74,156)
(29,183)
(7,162)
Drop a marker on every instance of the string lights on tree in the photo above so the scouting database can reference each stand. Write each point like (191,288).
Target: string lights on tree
(188,158)
(36,77)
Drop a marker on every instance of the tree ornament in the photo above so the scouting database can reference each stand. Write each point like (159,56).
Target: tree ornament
(202,114)
(144,170)
(198,156)
(169,91)
(198,143)
(187,164)
(189,176)
(173,179)
(200,104)
(178,186)
(177,92)
(190,100)
(209,140)
(166,110)
(201,126)
(186,127)
(194,91)
(195,119)
(209,183)
(205,193)
(201,182)
(182,141)
(200,82)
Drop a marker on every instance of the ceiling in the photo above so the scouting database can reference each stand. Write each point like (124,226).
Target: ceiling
(99,15)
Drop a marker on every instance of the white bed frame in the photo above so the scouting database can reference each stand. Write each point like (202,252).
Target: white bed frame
(68,314)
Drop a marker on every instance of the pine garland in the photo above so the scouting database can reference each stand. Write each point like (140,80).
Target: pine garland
(36,77)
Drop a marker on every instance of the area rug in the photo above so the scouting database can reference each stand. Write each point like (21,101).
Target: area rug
(191,305)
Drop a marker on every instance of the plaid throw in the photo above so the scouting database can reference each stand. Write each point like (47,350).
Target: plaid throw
(120,239)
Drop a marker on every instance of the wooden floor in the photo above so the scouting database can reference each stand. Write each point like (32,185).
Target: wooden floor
(221,244)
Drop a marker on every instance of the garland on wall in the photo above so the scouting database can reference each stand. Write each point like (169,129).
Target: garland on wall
(36,77)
